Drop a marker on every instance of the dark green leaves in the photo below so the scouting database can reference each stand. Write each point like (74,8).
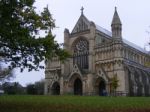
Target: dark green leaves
(20,43)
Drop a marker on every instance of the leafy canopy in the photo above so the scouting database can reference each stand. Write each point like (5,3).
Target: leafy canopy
(20,42)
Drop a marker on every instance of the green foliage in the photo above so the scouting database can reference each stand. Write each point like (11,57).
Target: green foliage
(73,104)
(35,89)
(5,74)
(13,88)
(114,83)
(40,87)
(147,64)
(31,89)
(20,42)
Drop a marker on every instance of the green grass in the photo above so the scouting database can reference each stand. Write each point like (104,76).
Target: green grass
(73,104)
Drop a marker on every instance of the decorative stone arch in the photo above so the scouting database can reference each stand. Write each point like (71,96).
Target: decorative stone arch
(73,77)
(148,76)
(101,73)
(138,80)
(76,84)
(101,82)
(75,70)
(55,88)
(131,81)
(100,86)
(145,83)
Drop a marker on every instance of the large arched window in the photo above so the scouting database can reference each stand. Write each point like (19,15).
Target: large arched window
(80,54)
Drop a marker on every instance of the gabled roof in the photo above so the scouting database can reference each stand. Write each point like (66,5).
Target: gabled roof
(99,28)
(82,24)
(134,46)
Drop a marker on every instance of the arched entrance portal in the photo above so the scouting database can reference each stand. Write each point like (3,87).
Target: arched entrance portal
(55,89)
(102,88)
(77,87)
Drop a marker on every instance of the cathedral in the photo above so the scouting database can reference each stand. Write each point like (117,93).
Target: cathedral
(101,62)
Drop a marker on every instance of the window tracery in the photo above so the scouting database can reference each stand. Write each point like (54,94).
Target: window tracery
(80,56)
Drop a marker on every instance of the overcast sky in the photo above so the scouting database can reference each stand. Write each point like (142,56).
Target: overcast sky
(134,15)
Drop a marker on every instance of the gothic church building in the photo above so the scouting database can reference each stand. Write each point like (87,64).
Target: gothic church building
(98,55)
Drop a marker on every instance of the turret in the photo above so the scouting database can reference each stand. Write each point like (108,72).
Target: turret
(66,38)
(116,26)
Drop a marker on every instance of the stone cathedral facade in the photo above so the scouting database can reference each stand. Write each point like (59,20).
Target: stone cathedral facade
(98,55)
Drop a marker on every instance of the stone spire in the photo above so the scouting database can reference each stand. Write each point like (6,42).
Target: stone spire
(116,26)
(116,19)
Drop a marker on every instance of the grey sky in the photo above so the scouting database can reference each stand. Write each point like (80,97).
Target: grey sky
(134,14)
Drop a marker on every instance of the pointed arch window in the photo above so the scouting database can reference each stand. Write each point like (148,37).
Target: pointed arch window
(80,54)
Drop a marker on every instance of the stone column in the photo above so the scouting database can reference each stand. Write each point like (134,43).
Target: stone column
(45,87)
(61,86)
(91,47)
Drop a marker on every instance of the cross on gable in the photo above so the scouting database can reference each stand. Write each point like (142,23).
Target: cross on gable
(82,10)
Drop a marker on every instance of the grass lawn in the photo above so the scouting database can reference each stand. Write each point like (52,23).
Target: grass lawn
(73,104)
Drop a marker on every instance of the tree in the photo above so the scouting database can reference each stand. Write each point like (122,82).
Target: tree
(31,89)
(147,64)
(114,84)
(39,85)
(20,42)
(36,89)
(12,88)
(5,74)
